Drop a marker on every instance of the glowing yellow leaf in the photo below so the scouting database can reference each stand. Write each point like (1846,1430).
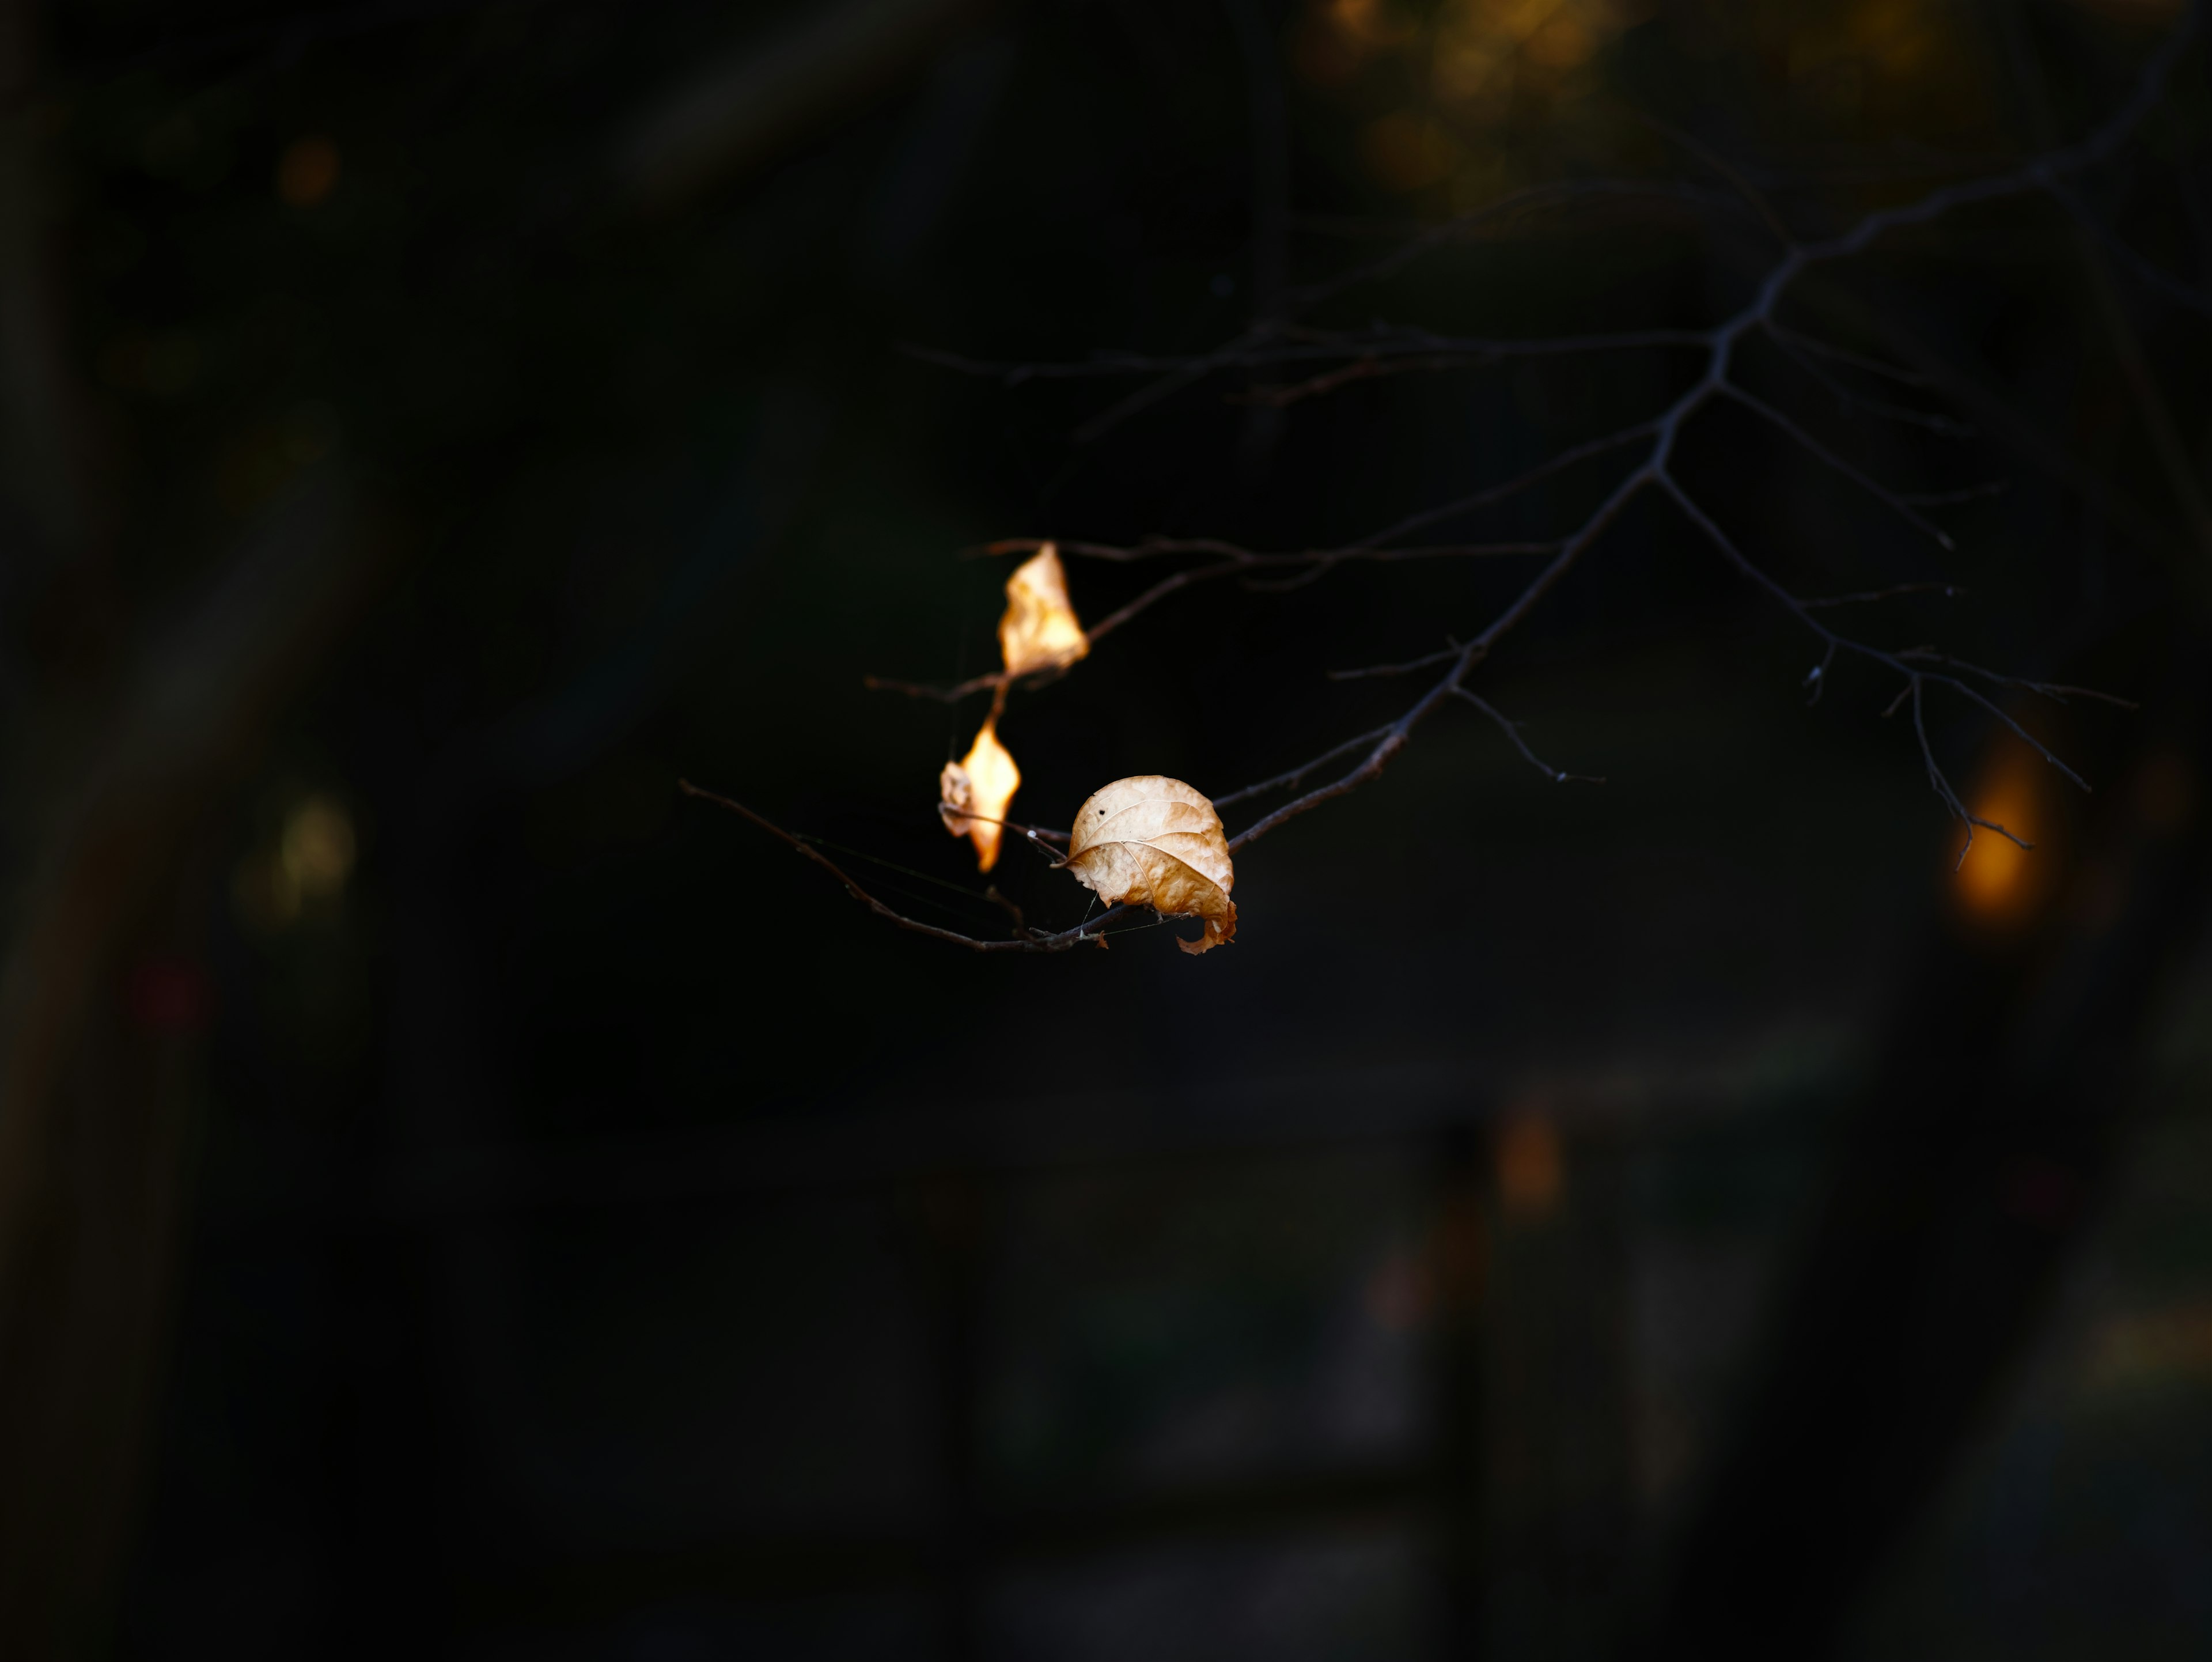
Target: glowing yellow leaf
(1039,630)
(983,782)
(1155,842)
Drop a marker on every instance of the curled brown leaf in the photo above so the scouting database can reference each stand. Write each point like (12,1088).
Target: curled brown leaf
(1152,841)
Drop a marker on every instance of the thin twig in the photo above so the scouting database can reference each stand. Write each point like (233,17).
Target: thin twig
(1750,193)
(1511,729)
(1030,941)
(1297,775)
(1948,591)
(1305,566)
(946,812)
(1856,403)
(1812,345)
(1874,487)
(1280,340)
(2057,692)
(1374,670)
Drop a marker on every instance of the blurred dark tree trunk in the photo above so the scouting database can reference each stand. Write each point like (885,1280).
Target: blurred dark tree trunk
(100,1013)
(116,773)
(1970,1174)
(103,1000)
(1959,1192)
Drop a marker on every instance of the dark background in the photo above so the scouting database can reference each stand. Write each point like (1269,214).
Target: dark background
(460,1197)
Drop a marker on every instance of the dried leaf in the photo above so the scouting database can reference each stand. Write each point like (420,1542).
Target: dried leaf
(983,782)
(1039,630)
(1155,842)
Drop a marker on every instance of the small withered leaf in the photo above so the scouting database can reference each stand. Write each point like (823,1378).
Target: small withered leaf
(1152,841)
(982,782)
(1039,630)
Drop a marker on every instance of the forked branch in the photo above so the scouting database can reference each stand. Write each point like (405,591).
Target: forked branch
(1333,359)
(1028,940)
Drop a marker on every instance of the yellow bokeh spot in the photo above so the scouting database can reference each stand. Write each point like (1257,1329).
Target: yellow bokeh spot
(316,851)
(306,869)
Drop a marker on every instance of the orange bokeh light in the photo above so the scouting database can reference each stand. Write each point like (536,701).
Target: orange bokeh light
(1999,883)
(1532,1166)
(308,171)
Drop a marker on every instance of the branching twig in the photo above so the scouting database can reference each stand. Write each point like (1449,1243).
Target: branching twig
(2056,692)
(1375,671)
(946,812)
(1302,568)
(1782,335)
(1904,664)
(1027,941)
(2154,277)
(1750,193)
(1280,341)
(1296,775)
(1855,403)
(1511,729)
(1881,492)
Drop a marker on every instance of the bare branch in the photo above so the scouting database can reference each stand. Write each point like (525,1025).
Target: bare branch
(1874,487)
(947,813)
(1407,668)
(2056,692)
(1782,333)
(1392,739)
(1297,775)
(2152,276)
(1948,591)
(1171,382)
(1976,696)
(1905,664)
(1281,341)
(1512,730)
(1028,941)
(1320,566)
(1856,403)
(1363,356)
(1372,367)
(1307,566)
(952,695)
(1490,494)
(1743,186)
